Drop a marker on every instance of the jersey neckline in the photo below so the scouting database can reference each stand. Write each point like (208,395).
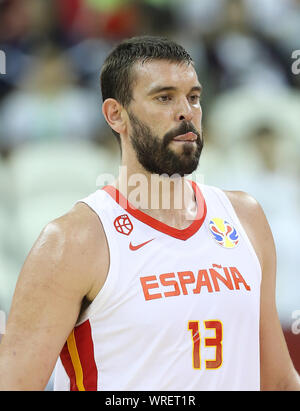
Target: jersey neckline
(181,234)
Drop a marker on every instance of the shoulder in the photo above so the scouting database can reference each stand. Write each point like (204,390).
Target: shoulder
(255,223)
(77,229)
(79,225)
(244,204)
(75,244)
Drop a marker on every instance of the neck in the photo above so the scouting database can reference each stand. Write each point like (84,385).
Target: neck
(170,200)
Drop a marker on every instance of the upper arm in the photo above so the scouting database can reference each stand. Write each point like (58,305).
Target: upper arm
(57,274)
(277,370)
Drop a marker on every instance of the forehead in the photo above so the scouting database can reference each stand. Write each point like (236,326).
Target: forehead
(154,73)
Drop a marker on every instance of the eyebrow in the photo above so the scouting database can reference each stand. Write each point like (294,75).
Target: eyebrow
(159,89)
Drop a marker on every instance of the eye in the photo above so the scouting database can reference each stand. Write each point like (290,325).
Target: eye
(164,98)
(195,98)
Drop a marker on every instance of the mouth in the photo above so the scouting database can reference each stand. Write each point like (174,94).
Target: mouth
(189,137)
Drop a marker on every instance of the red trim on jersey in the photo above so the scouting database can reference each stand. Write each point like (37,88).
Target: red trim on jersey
(85,350)
(68,366)
(158,225)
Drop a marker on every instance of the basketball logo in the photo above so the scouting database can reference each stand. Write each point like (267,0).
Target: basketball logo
(123,224)
(224,233)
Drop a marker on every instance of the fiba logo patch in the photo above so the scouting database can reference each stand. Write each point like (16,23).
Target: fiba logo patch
(123,224)
(223,232)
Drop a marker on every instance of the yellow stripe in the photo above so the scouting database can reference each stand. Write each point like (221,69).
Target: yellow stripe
(75,361)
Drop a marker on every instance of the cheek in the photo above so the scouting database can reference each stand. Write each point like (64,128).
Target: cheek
(198,118)
(158,120)
(155,114)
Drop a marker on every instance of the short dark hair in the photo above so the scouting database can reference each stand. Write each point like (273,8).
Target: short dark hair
(116,76)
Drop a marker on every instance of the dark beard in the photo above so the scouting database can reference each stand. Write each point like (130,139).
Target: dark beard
(155,155)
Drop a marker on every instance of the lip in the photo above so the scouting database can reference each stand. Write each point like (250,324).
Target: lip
(190,136)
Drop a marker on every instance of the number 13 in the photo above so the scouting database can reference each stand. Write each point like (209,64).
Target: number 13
(216,342)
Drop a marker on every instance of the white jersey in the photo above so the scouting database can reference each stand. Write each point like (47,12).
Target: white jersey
(179,309)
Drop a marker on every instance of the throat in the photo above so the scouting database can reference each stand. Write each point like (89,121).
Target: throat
(179,219)
(171,201)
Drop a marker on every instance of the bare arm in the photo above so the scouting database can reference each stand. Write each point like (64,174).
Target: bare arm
(64,266)
(277,370)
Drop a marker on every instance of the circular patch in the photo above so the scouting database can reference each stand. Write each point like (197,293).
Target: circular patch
(223,232)
(123,224)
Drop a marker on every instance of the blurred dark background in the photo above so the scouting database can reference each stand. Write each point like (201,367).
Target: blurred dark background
(54,141)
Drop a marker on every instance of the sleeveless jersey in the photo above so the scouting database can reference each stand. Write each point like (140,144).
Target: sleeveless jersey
(179,309)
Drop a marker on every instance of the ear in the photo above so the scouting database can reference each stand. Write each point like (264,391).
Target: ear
(113,113)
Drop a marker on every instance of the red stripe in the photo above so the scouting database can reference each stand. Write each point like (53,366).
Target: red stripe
(85,349)
(68,366)
(158,225)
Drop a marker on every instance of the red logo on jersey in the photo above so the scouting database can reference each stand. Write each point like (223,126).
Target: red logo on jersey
(136,247)
(123,224)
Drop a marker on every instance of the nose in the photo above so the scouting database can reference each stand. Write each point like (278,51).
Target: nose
(184,111)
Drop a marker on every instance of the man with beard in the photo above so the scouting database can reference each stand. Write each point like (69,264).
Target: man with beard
(151,298)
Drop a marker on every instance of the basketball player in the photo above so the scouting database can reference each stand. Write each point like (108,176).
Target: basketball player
(124,297)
